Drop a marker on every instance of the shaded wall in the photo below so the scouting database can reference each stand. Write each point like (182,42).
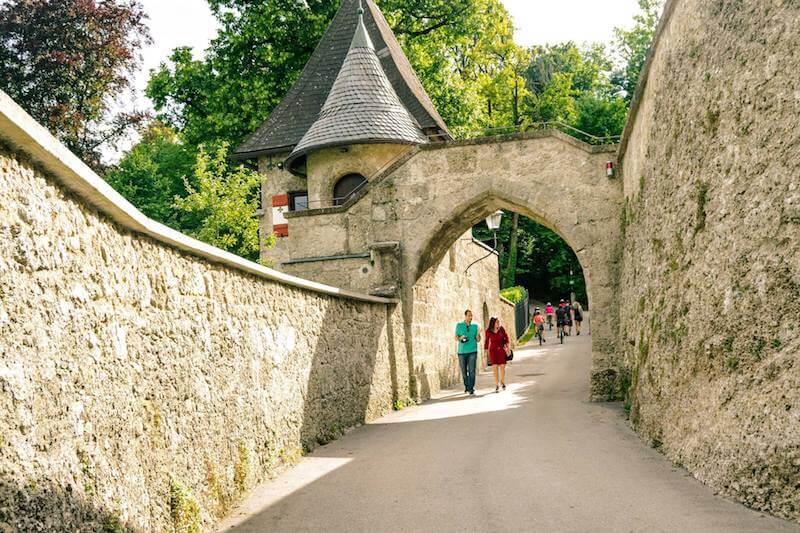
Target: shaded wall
(711,279)
(136,380)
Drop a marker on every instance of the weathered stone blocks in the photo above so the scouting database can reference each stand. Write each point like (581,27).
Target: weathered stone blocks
(711,265)
(132,373)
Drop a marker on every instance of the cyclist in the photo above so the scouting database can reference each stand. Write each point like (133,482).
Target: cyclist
(562,317)
(551,315)
(538,322)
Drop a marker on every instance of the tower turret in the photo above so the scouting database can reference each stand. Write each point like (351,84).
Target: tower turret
(362,107)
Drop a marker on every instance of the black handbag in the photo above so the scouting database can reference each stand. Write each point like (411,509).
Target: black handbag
(510,355)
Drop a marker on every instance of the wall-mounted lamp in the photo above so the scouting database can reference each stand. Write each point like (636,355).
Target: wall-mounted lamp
(493,221)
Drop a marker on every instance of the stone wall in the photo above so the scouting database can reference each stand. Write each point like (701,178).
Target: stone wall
(710,309)
(140,385)
(438,301)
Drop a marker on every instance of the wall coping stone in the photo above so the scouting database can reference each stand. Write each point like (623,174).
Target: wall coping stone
(22,132)
(524,136)
(641,85)
(507,301)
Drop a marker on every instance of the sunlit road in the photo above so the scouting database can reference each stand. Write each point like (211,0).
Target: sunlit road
(536,457)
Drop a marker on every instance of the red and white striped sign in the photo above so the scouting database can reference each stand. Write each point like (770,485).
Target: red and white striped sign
(280,205)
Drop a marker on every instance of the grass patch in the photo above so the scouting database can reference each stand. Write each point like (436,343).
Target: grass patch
(528,335)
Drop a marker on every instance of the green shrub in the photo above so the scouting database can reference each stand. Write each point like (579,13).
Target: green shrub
(514,294)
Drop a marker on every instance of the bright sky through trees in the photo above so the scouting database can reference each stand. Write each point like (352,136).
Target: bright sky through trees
(189,23)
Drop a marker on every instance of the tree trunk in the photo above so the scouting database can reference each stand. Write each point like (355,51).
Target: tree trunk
(510,274)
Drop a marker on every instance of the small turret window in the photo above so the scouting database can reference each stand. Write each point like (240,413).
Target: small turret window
(346,187)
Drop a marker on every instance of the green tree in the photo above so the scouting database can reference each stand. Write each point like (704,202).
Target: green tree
(600,116)
(462,50)
(222,203)
(573,86)
(154,173)
(66,61)
(544,259)
(248,68)
(633,44)
(471,67)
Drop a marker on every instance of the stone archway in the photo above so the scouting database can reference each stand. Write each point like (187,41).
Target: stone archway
(553,179)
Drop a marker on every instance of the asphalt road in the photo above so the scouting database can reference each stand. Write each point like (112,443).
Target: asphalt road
(536,457)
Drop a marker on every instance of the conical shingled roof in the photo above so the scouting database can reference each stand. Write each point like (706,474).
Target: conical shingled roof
(292,118)
(362,107)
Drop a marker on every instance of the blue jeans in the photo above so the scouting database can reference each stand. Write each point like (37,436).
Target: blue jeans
(467,362)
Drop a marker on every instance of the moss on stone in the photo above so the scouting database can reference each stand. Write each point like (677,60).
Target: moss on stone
(712,121)
(113,524)
(644,348)
(757,348)
(218,493)
(702,198)
(183,509)
(242,467)
(623,219)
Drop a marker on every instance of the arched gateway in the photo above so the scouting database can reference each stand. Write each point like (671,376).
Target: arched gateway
(423,193)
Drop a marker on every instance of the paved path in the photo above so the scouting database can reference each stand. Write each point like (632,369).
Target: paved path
(536,457)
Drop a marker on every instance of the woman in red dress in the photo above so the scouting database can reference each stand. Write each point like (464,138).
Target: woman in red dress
(497,346)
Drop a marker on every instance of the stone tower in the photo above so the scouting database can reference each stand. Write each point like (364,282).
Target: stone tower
(356,114)
(356,107)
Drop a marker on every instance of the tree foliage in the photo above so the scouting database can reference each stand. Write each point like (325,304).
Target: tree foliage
(154,173)
(633,44)
(464,53)
(249,66)
(545,263)
(573,85)
(220,206)
(65,62)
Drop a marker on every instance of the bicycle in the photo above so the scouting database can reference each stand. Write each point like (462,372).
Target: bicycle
(561,333)
(540,333)
(550,322)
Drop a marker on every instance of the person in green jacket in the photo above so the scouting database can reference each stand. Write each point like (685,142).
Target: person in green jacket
(468,336)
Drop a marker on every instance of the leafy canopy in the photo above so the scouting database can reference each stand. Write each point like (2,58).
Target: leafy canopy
(222,203)
(633,44)
(154,173)
(66,61)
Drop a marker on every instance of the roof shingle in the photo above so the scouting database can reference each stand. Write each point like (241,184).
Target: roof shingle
(361,108)
(301,107)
